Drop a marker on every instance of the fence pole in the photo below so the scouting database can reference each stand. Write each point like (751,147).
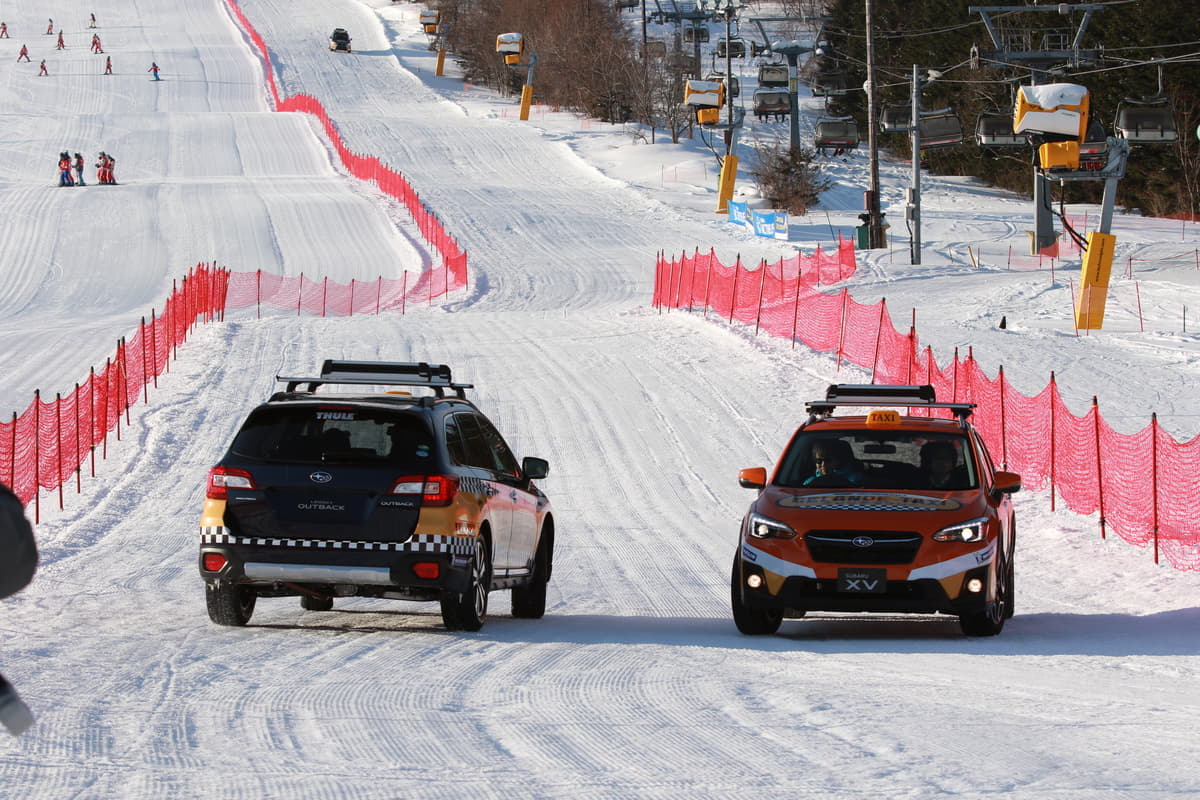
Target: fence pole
(842,328)
(1099,462)
(58,446)
(1154,475)
(324,294)
(299,293)
(707,281)
(258,295)
(1003,424)
(878,331)
(737,268)
(1053,405)
(92,419)
(379,293)
(796,305)
(154,346)
(352,297)
(78,457)
(762,286)
(12,453)
(37,456)
(145,389)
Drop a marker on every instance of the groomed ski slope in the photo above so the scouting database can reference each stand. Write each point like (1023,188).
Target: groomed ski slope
(636,683)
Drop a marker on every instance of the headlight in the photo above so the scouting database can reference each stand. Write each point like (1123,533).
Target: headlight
(972,531)
(766,528)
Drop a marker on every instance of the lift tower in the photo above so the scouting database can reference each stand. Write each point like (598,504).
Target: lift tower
(1041,50)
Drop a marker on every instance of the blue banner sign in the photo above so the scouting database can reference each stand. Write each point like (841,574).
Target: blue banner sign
(771,224)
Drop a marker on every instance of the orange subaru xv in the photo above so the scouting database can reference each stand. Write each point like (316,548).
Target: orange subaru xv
(878,511)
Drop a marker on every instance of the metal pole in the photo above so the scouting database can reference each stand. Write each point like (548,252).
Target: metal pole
(875,224)
(914,202)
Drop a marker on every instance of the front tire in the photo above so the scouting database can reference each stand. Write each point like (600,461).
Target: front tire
(749,620)
(229,604)
(990,621)
(466,611)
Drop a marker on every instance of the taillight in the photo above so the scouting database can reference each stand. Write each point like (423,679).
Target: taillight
(214,562)
(427,570)
(222,479)
(435,490)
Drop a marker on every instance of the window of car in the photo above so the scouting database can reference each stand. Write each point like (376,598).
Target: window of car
(335,433)
(880,460)
(466,443)
(505,461)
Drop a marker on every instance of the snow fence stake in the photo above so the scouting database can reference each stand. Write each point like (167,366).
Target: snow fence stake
(1099,463)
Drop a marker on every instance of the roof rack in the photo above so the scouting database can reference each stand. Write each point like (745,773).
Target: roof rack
(859,395)
(382,373)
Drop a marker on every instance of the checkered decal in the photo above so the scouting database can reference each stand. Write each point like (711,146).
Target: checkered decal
(419,543)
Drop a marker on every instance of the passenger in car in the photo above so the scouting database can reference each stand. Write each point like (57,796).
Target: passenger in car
(833,464)
(938,461)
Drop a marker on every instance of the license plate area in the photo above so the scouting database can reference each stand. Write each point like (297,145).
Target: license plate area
(862,581)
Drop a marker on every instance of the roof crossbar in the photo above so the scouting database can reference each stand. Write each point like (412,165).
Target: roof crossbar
(381,373)
(874,395)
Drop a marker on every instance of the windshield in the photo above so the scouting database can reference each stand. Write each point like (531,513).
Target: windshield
(872,459)
(336,434)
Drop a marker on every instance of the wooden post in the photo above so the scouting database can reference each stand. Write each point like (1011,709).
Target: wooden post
(1099,462)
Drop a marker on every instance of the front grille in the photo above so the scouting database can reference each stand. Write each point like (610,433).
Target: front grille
(885,547)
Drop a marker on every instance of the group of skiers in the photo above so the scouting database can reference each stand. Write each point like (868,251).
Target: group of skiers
(96,47)
(104,169)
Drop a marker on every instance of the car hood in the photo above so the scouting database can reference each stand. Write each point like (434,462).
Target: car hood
(857,508)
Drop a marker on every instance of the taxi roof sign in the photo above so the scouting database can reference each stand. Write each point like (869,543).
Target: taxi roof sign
(883,418)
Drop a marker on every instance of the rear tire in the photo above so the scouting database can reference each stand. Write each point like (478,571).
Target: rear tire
(466,611)
(749,620)
(529,601)
(229,604)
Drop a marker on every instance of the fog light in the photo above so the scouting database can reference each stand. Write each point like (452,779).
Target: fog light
(974,586)
(214,562)
(754,581)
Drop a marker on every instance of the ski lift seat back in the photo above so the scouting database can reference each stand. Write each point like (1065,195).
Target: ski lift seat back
(940,129)
(1150,119)
(995,129)
(895,118)
(837,132)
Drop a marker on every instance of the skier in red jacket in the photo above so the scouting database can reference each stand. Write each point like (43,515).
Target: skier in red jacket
(64,169)
(23,54)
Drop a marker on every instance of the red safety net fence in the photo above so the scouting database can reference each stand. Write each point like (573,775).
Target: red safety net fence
(452,273)
(52,439)
(1141,485)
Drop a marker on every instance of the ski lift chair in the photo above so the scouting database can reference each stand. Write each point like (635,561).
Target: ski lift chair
(995,129)
(838,134)
(1146,120)
(829,83)
(731,48)
(895,118)
(757,49)
(772,103)
(940,129)
(732,84)
(772,75)
(695,33)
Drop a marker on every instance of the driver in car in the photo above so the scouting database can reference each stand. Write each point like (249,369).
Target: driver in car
(833,464)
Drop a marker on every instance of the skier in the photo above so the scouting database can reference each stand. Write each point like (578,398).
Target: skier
(108,65)
(3,30)
(96,48)
(42,69)
(23,54)
(92,24)
(79,168)
(104,168)
(50,28)
(64,169)
(154,69)
(61,44)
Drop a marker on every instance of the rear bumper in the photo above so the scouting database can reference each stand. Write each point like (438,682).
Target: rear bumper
(386,566)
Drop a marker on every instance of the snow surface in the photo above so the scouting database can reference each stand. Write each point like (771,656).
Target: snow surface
(636,683)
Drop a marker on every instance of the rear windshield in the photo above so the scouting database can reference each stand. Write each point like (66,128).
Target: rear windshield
(871,459)
(336,434)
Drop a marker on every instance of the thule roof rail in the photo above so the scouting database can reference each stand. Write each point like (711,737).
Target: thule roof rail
(381,373)
(873,395)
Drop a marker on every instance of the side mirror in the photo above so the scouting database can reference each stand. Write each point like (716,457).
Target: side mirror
(752,478)
(1006,483)
(535,468)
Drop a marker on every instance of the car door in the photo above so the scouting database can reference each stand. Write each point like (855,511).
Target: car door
(471,450)
(521,503)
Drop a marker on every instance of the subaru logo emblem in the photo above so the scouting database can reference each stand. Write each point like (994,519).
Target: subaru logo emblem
(320,477)
(862,541)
